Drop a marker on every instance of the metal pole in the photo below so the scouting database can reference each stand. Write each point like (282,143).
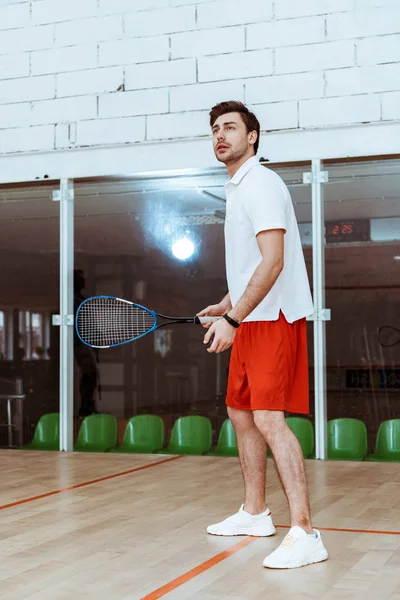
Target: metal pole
(66,318)
(317,178)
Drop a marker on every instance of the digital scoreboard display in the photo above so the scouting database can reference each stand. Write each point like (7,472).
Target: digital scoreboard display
(339,232)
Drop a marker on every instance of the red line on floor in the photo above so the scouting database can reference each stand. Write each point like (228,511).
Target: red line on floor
(86,483)
(175,583)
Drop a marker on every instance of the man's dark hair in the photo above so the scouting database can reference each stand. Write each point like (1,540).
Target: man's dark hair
(249,118)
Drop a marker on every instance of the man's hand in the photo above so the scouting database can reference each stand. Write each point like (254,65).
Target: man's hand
(223,334)
(214,310)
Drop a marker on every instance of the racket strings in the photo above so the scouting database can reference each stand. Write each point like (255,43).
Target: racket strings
(104,322)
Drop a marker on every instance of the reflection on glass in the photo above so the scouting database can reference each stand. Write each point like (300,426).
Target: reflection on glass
(29,277)
(362,212)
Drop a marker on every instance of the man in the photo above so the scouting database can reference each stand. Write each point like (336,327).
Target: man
(84,356)
(264,318)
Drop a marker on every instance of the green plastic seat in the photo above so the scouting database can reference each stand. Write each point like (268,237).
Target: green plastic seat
(304,431)
(347,439)
(98,433)
(143,434)
(227,442)
(47,434)
(190,435)
(387,448)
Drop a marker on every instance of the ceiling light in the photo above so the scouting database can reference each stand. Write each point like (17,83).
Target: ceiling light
(183,248)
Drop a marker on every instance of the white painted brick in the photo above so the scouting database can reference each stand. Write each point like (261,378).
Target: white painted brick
(204,95)
(89,82)
(281,115)
(4,2)
(161,74)
(184,2)
(156,22)
(62,139)
(288,9)
(111,131)
(27,139)
(339,111)
(375,50)
(57,11)
(27,88)
(59,60)
(363,4)
(363,23)
(363,80)
(14,65)
(314,57)
(279,88)
(208,41)
(235,66)
(15,115)
(108,7)
(233,12)
(63,110)
(16,15)
(129,104)
(391,106)
(178,125)
(140,50)
(26,38)
(83,31)
(288,32)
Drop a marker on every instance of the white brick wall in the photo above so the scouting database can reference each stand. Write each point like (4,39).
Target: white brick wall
(16,15)
(27,89)
(161,74)
(391,106)
(235,66)
(203,96)
(178,125)
(143,102)
(140,50)
(94,72)
(94,81)
(83,31)
(209,41)
(315,57)
(233,12)
(168,20)
(338,111)
(111,131)
(74,58)
(22,40)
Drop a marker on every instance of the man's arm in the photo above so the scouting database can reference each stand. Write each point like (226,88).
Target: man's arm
(271,245)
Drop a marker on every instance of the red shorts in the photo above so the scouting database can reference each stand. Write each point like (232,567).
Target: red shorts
(269,367)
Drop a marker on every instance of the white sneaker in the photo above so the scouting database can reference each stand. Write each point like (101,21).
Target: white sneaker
(298,549)
(243,523)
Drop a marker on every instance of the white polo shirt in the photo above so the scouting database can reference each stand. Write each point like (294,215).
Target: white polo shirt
(258,200)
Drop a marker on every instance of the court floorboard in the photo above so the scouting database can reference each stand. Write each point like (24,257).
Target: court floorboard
(130,527)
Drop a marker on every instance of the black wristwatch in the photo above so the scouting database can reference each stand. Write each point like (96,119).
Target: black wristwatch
(231,321)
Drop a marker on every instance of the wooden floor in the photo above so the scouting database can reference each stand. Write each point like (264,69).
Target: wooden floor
(102,527)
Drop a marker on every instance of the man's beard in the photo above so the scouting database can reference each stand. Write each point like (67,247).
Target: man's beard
(232,155)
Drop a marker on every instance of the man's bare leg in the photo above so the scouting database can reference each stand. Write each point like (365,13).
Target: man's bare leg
(253,459)
(290,464)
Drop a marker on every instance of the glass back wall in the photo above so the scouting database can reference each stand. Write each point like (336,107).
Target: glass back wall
(29,281)
(128,243)
(362,212)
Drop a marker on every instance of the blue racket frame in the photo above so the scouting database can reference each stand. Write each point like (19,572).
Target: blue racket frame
(151,312)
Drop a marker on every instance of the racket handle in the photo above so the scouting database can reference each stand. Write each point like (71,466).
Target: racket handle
(205,320)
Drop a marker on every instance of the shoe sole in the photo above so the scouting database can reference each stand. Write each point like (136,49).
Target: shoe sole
(321,557)
(253,533)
